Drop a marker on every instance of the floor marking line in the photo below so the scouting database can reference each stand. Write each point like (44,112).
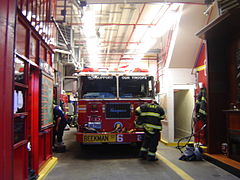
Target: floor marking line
(47,167)
(176,169)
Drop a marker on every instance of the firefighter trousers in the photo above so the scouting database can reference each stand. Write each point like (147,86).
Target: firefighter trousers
(60,132)
(150,141)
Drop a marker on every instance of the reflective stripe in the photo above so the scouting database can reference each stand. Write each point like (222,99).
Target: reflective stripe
(143,149)
(151,154)
(202,111)
(149,129)
(163,116)
(138,109)
(150,114)
(153,126)
(139,126)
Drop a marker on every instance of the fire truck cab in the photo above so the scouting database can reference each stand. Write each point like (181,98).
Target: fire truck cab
(106,106)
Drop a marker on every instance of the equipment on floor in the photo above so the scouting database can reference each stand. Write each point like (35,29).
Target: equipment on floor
(59,148)
(192,153)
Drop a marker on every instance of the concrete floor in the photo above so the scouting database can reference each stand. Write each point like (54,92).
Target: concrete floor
(120,162)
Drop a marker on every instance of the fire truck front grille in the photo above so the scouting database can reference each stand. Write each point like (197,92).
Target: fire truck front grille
(118,110)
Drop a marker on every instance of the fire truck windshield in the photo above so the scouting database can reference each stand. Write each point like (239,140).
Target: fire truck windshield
(105,87)
(98,87)
(135,86)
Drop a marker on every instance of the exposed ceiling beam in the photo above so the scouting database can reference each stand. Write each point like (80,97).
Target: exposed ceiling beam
(107,42)
(112,24)
(134,27)
(145,1)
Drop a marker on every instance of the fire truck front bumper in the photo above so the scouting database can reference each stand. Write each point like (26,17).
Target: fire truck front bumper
(113,138)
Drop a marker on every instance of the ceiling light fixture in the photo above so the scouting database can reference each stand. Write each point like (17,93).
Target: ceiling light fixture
(153,33)
(92,40)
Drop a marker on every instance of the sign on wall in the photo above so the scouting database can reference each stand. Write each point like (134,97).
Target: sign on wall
(46,116)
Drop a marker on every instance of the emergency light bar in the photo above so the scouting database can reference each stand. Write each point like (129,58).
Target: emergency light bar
(105,72)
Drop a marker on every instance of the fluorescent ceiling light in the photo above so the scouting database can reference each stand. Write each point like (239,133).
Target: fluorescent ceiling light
(168,18)
(92,41)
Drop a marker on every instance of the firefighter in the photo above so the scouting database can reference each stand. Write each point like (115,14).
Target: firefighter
(201,116)
(201,105)
(149,117)
(59,125)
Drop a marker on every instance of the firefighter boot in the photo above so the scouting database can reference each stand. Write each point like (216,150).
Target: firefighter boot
(151,157)
(143,153)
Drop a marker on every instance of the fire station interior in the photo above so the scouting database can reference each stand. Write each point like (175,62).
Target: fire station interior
(187,53)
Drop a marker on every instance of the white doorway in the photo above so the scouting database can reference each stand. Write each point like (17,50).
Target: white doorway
(183,111)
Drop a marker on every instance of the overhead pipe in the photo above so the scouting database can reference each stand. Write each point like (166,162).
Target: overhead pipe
(149,1)
(117,62)
(108,54)
(112,24)
(159,18)
(110,36)
(155,59)
(137,22)
(109,42)
(134,27)
(112,42)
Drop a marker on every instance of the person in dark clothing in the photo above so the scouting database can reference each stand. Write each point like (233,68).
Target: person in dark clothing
(201,116)
(59,124)
(149,117)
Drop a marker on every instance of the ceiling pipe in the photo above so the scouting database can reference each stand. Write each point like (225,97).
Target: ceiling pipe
(108,54)
(144,59)
(149,1)
(131,14)
(110,35)
(155,59)
(151,23)
(112,24)
(134,27)
(112,42)
(117,61)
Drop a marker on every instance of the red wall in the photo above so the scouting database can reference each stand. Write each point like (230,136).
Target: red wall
(201,62)
(7,21)
(20,161)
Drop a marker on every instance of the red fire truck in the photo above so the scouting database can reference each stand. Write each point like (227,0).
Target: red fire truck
(106,106)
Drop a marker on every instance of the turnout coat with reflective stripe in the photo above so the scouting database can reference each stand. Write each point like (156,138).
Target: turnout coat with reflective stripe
(150,115)
(201,105)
